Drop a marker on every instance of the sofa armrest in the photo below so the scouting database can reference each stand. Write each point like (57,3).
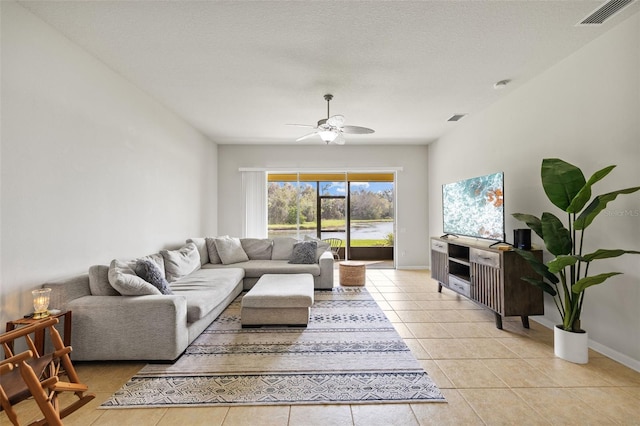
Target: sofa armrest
(65,290)
(150,327)
(326,270)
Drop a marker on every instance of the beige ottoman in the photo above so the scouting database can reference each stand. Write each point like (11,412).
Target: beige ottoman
(278,299)
(352,273)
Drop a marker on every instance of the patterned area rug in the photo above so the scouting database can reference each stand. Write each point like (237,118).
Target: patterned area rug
(349,354)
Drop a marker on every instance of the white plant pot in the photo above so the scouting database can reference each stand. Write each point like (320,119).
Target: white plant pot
(570,346)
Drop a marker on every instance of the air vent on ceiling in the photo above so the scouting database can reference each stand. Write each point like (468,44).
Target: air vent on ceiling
(457,117)
(604,12)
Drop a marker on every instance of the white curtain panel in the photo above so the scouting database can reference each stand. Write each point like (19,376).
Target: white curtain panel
(254,188)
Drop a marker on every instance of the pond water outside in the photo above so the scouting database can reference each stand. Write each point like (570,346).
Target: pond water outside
(359,231)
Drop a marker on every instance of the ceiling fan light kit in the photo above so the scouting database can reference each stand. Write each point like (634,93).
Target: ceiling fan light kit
(331,129)
(327,136)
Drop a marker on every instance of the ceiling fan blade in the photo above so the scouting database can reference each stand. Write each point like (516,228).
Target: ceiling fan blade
(335,120)
(301,125)
(339,140)
(308,135)
(357,130)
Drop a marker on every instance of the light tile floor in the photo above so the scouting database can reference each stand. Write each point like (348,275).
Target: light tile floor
(489,376)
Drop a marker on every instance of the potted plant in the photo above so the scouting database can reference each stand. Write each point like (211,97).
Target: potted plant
(567,275)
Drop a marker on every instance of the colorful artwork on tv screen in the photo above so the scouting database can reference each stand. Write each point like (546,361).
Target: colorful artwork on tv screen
(475,207)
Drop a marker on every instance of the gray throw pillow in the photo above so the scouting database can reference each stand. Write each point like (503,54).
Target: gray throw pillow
(322,245)
(304,252)
(149,271)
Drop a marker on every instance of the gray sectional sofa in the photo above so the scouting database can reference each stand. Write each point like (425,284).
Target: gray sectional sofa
(117,315)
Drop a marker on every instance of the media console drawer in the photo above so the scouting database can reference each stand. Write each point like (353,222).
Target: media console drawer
(484,257)
(439,246)
(459,286)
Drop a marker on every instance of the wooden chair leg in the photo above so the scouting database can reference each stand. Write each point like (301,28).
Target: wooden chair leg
(39,394)
(8,409)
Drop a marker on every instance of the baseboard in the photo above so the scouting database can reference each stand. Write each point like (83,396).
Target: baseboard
(623,359)
(422,267)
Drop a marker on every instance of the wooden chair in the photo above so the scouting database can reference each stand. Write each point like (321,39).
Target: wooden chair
(334,246)
(30,374)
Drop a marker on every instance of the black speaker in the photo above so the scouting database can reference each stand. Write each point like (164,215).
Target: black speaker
(522,239)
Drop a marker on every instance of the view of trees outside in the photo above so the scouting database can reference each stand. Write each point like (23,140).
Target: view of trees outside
(371,210)
(368,205)
(283,203)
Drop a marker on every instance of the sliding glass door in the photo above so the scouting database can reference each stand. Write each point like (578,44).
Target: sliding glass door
(357,208)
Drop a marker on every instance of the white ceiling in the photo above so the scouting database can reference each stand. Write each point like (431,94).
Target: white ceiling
(239,71)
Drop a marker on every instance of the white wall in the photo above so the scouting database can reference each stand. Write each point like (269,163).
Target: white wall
(585,110)
(411,189)
(92,168)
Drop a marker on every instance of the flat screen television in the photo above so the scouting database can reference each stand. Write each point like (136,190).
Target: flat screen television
(475,207)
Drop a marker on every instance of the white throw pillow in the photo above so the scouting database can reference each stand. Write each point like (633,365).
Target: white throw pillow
(212,251)
(181,262)
(230,250)
(123,278)
(201,243)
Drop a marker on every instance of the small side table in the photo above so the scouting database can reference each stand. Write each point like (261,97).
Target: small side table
(39,335)
(352,273)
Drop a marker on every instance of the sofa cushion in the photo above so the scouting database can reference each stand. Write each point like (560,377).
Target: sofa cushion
(99,281)
(124,279)
(257,248)
(230,250)
(304,252)
(212,251)
(256,268)
(201,244)
(181,262)
(205,289)
(282,248)
(322,245)
(149,271)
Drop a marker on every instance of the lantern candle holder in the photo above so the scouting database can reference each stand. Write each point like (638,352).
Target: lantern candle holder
(41,302)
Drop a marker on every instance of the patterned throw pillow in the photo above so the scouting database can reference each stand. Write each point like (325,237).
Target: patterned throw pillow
(148,271)
(304,252)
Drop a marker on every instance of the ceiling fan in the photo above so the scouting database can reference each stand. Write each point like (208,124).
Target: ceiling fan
(330,129)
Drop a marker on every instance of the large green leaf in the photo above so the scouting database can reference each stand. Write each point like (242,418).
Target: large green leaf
(561,262)
(532,222)
(583,283)
(539,267)
(541,284)
(580,200)
(561,181)
(556,237)
(597,205)
(604,254)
